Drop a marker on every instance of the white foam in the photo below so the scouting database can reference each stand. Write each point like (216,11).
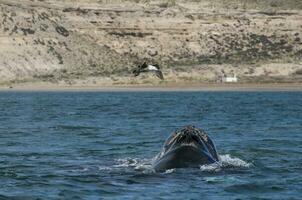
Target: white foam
(104,168)
(127,162)
(82,169)
(143,165)
(226,161)
(169,171)
(213,179)
(211,167)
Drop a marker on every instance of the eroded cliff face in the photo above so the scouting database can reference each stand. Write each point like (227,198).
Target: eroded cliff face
(62,40)
(38,41)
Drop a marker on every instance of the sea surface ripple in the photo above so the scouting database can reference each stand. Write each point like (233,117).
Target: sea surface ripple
(100,145)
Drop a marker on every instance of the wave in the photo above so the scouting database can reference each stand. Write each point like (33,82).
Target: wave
(145,165)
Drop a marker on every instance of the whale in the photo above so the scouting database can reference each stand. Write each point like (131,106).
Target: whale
(188,146)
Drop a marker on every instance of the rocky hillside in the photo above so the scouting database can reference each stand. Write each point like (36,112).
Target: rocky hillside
(64,40)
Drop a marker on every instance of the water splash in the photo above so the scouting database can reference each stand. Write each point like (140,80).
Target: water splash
(143,165)
(127,162)
(169,171)
(226,162)
(215,167)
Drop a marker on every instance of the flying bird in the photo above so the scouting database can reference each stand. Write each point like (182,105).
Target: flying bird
(148,68)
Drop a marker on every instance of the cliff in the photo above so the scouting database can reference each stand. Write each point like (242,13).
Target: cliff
(88,40)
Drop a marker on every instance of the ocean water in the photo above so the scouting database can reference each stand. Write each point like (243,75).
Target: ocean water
(100,145)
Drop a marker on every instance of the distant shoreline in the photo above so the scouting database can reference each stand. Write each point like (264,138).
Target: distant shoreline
(93,42)
(141,88)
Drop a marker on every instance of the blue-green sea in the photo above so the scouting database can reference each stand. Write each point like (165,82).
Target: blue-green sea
(100,145)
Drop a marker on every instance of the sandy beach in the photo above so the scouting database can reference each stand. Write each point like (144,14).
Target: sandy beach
(141,88)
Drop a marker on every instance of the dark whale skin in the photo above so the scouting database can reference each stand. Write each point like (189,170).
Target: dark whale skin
(187,147)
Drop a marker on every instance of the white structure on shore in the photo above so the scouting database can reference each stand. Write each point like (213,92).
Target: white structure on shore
(229,79)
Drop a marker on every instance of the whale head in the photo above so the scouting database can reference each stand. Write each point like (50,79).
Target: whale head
(187,146)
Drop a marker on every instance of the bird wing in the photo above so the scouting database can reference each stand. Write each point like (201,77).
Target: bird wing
(143,66)
(136,72)
(152,68)
(157,66)
(159,74)
(139,69)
